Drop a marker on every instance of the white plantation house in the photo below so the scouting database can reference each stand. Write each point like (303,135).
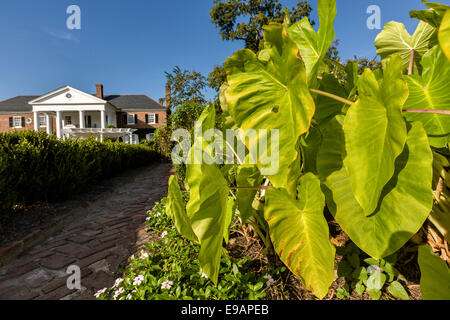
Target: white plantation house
(69,112)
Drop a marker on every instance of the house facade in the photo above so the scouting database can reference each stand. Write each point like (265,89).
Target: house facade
(69,112)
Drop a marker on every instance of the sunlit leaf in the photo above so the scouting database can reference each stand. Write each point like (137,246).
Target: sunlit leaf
(431,91)
(395,39)
(444,34)
(271,95)
(176,209)
(375,133)
(405,202)
(299,232)
(207,206)
(313,46)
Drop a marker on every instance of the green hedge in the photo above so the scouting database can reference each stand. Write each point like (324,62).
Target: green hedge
(37,167)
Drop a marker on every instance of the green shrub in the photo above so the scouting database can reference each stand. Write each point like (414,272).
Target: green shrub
(37,167)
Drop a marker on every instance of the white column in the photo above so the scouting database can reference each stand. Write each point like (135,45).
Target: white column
(82,125)
(103,119)
(36,121)
(103,125)
(49,122)
(58,124)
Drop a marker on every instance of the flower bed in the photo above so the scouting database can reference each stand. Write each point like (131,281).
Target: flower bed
(169,269)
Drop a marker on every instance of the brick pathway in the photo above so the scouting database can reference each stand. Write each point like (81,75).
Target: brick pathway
(100,242)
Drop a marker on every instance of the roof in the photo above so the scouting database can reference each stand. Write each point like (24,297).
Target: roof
(17,104)
(133,102)
(124,102)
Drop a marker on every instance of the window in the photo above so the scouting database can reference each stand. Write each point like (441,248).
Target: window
(17,122)
(67,120)
(149,136)
(42,121)
(131,119)
(151,118)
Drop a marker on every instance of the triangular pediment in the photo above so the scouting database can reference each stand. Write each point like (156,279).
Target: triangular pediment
(67,95)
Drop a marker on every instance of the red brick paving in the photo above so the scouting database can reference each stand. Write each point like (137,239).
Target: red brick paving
(99,242)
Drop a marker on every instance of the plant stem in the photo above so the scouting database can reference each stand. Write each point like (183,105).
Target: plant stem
(251,188)
(349,102)
(446,112)
(411,63)
(332,96)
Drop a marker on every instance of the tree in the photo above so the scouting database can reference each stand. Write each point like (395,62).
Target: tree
(244,19)
(186,114)
(187,85)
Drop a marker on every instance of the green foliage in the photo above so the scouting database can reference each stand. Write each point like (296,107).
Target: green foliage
(299,233)
(280,81)
(444,34)
(433,16)
(185,86)
(348,144)
(207,206)
(170,270)
(33,161)
(375,133)
(176,209)
(314,46)
(184,116)
(430,89)
(371,276)
(435,275)
(244,19)
(395,39)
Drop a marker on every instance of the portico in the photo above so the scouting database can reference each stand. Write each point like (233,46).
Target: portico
(73,109)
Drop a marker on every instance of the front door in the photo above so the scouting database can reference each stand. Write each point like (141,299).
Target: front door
(88,121)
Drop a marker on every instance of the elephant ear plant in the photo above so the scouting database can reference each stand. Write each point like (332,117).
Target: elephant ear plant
(362,148)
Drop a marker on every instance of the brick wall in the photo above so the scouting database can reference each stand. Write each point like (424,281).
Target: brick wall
(141,124)
(4,122)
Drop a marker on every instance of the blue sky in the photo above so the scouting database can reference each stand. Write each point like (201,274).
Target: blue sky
(128,45)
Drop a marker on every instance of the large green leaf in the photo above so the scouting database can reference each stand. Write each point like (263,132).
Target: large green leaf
(432,16)
(313,46)
(327,108)
(247,176)
(444,34)
(431,91)
(375,133)
(299,232)
(207,206)
(395,39)
(435,275)
(406,200)
(271,94)
(176,209)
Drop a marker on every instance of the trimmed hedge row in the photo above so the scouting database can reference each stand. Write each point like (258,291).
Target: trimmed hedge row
(37,167)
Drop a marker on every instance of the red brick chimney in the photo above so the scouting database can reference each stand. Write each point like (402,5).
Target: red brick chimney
(168,96)
(99,93)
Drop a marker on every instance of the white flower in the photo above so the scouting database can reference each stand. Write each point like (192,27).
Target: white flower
(132,257)
(118,281)
(158,214)
(165,233)
(204,275)
(166,285)
(144,255)
(118,293)
(148,218)
(269,279)
(100,292)
(138,280)
(173,227)
(129,297)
